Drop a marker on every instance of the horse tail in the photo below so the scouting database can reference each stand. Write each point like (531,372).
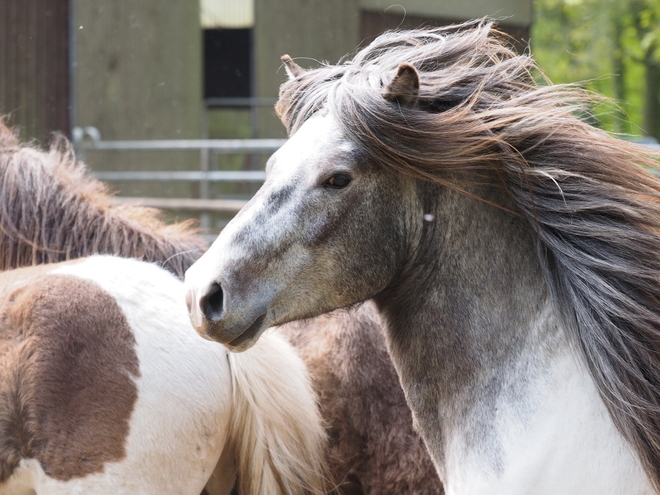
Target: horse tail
(276,431)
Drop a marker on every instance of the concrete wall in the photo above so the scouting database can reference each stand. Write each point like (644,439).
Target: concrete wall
(138,75)
(323,30)
(138,68)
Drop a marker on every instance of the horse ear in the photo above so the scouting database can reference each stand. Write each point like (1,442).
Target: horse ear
(404,88)
(292,68)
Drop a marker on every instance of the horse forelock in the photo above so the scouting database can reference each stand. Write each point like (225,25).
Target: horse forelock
(595,211)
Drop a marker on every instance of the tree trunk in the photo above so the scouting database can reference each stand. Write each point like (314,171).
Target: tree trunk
(622,122)
(651,98)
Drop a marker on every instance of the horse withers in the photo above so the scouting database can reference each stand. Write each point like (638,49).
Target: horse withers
(510,248)
(105,388)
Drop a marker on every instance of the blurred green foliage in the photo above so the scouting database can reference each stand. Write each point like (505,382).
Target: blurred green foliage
(608,46)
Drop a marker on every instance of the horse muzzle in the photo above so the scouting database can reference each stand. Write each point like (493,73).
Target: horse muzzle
(214,317)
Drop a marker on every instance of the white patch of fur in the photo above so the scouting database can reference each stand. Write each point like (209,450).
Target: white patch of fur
(181,418)
(565,443)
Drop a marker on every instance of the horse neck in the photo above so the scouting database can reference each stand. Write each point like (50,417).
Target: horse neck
(480,351)
(86,225)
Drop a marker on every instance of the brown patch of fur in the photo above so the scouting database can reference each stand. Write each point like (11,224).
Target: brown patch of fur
(67,374)
(52,210)
(369,424)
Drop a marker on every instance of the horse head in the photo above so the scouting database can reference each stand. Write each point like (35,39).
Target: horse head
(283,257)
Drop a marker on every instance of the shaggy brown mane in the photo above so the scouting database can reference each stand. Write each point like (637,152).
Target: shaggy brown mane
(596,212)
(52,210)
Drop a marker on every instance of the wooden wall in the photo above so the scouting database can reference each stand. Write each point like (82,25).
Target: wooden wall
(34,66)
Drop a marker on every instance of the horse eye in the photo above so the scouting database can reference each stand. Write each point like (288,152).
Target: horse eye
(338,181)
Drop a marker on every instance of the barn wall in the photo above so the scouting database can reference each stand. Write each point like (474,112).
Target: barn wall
(513,12)
(375,22)
(138,75)
(322,30)
(138,68)
(326,30)
(34,66)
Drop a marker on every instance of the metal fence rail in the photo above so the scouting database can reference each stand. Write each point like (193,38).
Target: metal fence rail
(89,139)
(188,176)
(196,205)
(217,145)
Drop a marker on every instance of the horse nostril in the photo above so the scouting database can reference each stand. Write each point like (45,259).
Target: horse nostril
(211,303)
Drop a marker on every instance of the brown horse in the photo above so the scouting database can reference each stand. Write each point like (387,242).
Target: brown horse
(373,449)
(52,210)
(512,250)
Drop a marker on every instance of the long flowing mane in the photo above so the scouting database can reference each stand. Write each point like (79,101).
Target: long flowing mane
(52,210)
(484,110)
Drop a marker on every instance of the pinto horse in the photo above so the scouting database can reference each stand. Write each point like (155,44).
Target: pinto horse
(52,210)
(105,388)
(511,249)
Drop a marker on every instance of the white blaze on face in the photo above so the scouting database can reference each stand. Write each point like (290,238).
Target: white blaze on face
(309,148)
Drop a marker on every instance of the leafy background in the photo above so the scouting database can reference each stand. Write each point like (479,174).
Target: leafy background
(608,46)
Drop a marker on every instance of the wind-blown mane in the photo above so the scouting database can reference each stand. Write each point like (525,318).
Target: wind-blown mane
(39,226)
(595,211)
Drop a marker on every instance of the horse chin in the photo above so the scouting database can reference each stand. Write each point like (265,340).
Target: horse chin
(248,338)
